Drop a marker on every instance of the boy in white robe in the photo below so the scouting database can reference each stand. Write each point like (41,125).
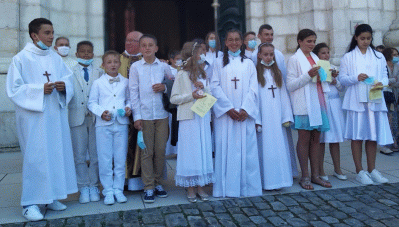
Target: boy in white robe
(39,83)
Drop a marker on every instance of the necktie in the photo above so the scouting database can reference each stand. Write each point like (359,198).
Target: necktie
(115,79)
(86,76)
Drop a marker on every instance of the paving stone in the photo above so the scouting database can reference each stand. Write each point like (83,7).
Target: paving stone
(379,215)
(37,224)
(278,206)
(191,211)
(307,194)
(234,210)
(379,206)
(392,212)
(170,209)
(317,201)
(229,203)
(227,223)
(176,219)
(250,211)
(297,210)
(338,214)
(212,221)
(91,223)
(208,214)
(262,206)
(130,215)
(319,224)
(329,220)
(365,199)
(269,198)
(75,221)
(326,208)
(319,213)
(21,224)
(152,216)
(345,197)
(240,218)
(219,209)
(300,199)
(131,224)
(286,200)
(359,216)
(297,222)
(393,222)
(204,207)
(336,204)
(341,225)
(308,217)
(258,220)
(267,213)
(196,221)
(223,216)
(347,210)
(244,202)
(325,195)
(277,221)
(57,222)
(256,199)
(353,222)
(309,206)
(356,205)
(285,215)
(387,202)
(373,223)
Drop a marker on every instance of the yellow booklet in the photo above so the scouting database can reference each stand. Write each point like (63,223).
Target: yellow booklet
(375,92)
(202,106)
(326,66)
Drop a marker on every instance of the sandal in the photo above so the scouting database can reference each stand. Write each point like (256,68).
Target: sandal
(321,182)
(305,183)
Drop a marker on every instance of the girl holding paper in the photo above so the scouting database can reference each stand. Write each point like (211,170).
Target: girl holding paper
(335,117)
(363,68)
(194,151)
(309,107)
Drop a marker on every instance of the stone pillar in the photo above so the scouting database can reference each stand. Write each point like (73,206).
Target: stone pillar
(391,38)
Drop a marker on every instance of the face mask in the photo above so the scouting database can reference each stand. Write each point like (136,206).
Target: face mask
(395,60)
(267,64)
(235,54)
(202,60)
(42,45)
(85,61)
(212,43)
(140,140)
(63,50)
(179,62)
(252,44)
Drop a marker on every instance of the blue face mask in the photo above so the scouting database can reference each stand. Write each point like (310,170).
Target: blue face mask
(212,43)
(202,60)
(42,45)
(252,44)
(85,61)
(235,54)
(140,140)
(395,60)
(369,81)
(267,64)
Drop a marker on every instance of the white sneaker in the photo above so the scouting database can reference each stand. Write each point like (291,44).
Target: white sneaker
(56,205)
(109,199)
(120,198)
(340,176)
(385,150)
(325,178)
(364,177)
(32,213)
(84,195)
(94,194)
(377,177)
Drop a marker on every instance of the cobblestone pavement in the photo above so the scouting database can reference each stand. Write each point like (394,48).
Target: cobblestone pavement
(374,205)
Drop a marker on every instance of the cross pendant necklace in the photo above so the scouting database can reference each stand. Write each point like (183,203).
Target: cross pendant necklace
(46,74)
(235,82)
(272,88)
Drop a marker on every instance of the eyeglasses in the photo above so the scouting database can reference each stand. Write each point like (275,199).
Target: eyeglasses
(132,41)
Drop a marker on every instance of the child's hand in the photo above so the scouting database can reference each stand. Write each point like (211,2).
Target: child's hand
(314,71)
(334,73)
(199,85)
(158,87)
(243,115)
(128,111)
(233,114)
(106,116)
(334,81)
(60,85)
(48,88)
(138,125)
(197,96)
(362,77)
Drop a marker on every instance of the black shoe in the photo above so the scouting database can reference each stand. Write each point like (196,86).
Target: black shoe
(149,196)
(160,192)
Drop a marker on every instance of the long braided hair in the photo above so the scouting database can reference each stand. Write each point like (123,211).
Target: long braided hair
(226,60)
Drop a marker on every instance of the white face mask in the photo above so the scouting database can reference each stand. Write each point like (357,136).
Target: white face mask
(267,64)
(63,50)
(202,60)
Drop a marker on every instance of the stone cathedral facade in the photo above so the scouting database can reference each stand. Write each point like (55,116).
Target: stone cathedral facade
(332,20)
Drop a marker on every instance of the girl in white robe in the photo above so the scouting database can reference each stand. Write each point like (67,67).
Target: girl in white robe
(363,68)
(335,135)
(212,47)
(275,114)
(194,151)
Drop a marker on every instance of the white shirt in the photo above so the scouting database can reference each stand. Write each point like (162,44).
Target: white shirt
(146,104)
(89,70)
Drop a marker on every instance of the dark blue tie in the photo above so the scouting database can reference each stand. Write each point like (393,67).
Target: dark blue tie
(86,74)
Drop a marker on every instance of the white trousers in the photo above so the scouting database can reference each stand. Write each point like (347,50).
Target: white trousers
(112,149)
(83,143)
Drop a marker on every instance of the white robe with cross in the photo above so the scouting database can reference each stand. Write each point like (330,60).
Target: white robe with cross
(236,153)
(274,148)
(48,171)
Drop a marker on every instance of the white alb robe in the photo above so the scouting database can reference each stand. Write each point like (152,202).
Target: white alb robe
(236,153)
(274,149)
(48,172)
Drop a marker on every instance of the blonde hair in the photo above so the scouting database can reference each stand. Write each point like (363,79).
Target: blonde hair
(260,68)
(110,52)
(191,65)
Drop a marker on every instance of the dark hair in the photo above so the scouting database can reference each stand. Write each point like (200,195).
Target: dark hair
(359,30)
(36,24)
(59,38)
(318,47)
(226,50)
(149,36)
(217,48)
(83,43)
(172,54)
(247,34)
(191,65)
(199,41)
(260,68)
(303,34)
(380,47)
(388,53)
(264,26)
(110,52)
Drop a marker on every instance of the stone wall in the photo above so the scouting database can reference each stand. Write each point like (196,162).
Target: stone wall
(329,18)
(76,19)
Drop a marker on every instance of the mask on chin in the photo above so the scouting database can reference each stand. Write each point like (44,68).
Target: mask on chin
(267,64)
(42,45)
(85,61)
